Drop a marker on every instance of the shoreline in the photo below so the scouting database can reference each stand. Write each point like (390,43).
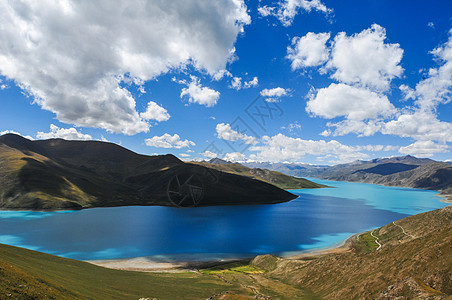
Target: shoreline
(148,264)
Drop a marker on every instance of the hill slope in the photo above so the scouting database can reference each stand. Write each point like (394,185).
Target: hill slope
(273,177)
(60,174)
(415,261)
(28,274)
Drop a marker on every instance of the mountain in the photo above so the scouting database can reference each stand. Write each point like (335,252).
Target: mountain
(292,169)
(60,174)
(273,177)
(414,262)
(406,171)
(219,161)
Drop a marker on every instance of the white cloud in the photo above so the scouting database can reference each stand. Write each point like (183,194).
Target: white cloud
(72,56)
(265,10)
(234,157)
(198,94)
(252,83)
(220,74)
(168,141)
(308,51)
(184,155)
(359,127)
(421,126)
(2,85)
(377,148)
(431,25)
(436,88)
(15,132)
(351,102)
(424,149)
(288,9)
(365,58)
(155,112)
(292,126)
(225,132)
(283,148)
(209,154)
(274,94)
(237,84)
(63,133)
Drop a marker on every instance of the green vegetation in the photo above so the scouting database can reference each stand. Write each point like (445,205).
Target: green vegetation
(233,268)
(273,177)
(34,275)
(365,243)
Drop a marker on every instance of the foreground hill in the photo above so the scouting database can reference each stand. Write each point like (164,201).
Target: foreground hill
(414,262)
(406,171)
(60,174)
(273,177)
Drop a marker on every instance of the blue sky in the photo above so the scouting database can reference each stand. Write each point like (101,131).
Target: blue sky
(320,82)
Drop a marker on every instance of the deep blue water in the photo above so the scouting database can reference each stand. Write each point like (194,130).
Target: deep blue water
(318,218)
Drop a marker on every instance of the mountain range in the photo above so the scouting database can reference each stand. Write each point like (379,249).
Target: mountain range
(60,174)
(406,171)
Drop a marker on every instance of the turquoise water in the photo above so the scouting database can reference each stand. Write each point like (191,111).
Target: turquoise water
(318,218)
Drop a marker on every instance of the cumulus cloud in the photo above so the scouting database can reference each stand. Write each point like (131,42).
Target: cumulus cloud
(15,132)
(424,149)
(283,148)
(71,56)
(209,154)
(220,75)
(234,157)
(225,132)
(273,95)
(286,10)
(420,122)
(237,83)
(196,93)
(359,127)
(351,102)
(155,112)
(63,133)
(377,148)
(265,10)
(365,58)
(168,141)
(420,126)
(308,51)
(436,88)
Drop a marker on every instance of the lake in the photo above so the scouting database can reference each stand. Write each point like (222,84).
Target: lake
(318,218)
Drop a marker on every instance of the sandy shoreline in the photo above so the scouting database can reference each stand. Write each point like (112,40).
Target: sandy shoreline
(148,264)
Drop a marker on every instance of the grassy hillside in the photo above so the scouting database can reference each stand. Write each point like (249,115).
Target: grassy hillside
(28,274)
(60,174)
(273,177)
(413,262)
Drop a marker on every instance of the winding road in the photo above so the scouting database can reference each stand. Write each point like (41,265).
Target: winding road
(376,240)
(403,230)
